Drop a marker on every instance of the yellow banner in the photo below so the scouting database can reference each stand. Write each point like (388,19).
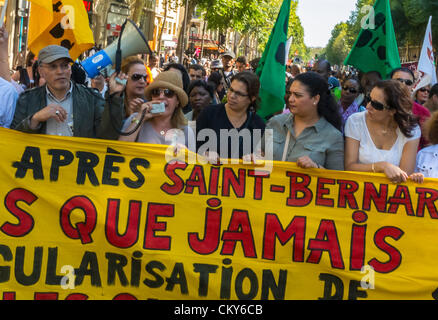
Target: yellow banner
(65,23)
(96,219)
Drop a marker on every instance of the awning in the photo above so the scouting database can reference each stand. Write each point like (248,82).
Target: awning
(170,44)
(207,45)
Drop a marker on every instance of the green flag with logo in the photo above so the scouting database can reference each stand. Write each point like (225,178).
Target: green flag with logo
(272,66)
(376,48)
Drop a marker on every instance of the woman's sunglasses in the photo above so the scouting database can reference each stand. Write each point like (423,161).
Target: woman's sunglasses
(424,90)
(349,89)
(377,105)
(167,92)
(137,77)
(405,81)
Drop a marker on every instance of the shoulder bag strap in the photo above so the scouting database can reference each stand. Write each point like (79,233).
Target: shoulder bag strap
(286,146)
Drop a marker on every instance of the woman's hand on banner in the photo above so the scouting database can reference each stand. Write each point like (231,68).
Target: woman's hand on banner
(306,163)
(394,173)
(417,177)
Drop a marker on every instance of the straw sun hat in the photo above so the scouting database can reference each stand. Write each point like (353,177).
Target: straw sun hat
(168,80)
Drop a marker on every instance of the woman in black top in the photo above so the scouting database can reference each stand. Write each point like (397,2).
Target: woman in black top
(235,128)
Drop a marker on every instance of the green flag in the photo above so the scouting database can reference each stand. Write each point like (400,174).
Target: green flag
(376,48)
(272,66)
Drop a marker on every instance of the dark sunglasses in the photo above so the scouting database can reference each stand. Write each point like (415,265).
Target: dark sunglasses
(167,92)
(137,77)
(377,105)
(424,90)
(405,81)
(351,90)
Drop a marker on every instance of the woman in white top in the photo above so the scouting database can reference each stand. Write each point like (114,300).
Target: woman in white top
(427,158)
(385,137)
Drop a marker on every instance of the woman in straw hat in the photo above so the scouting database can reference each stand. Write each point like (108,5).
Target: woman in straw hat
(157,125)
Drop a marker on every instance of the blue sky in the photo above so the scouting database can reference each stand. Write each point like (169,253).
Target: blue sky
(318,17)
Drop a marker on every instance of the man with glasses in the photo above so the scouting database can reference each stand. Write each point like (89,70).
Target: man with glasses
(407,77)
(62,107)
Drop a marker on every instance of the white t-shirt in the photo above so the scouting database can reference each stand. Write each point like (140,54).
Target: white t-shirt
(356,128)
(155,72)
(427,161)
(8,97)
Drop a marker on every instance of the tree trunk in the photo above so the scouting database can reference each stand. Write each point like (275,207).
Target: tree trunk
(162,26)
(235,42)
(136,10)
(242,38)
(202,41)
(102,8)
(182,32)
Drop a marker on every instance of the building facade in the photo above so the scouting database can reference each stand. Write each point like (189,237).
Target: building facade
(161,21)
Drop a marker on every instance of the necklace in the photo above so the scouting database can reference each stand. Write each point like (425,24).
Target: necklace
(387,129)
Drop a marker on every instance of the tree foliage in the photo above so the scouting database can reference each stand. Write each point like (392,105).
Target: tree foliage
(337,48)
(410,18)
(250,17)
(269,10)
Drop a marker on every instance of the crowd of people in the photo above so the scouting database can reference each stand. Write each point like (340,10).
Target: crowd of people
(348,121)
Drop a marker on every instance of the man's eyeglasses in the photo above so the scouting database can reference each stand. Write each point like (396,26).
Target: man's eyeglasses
(54,66)
(167,92)
(405,81)
(237,93)
(137,77)
(349,89)
(377,105)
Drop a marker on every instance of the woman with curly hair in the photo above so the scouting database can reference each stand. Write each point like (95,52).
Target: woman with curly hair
(385,137)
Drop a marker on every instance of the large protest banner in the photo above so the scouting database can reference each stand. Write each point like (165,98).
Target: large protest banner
(96,219)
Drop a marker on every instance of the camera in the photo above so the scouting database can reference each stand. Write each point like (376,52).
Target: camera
(158,107)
